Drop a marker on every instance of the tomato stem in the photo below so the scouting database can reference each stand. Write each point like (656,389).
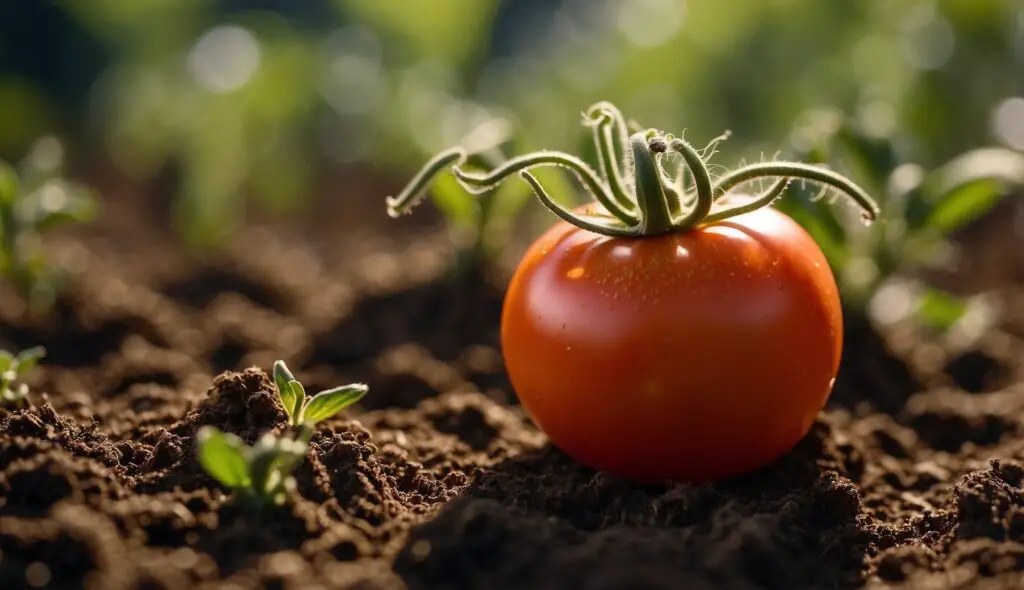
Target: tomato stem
(702,184)
(603,117)
(655,214)
(477,183)
(640,197)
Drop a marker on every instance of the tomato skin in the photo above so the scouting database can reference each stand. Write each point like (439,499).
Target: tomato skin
(689,357)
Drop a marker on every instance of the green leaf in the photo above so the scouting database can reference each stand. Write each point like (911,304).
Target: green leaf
(873,157)
(964,204)
(282,380)
(271,461)
(28,359)
(298,401)
(78,208)
(993,164)
(939,310)
(331,401)
(222,456)
(8,183)
(459,208)
(6,361)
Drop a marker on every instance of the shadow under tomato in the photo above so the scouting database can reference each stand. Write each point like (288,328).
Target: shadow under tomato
(541,520)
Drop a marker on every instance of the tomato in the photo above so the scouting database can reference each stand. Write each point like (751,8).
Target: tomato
(688,356)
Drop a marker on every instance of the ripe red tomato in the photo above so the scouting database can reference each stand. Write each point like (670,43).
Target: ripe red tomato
(687,356)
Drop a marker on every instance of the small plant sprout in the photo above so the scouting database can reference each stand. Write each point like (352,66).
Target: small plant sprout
(637,195)
(258,475)
(33,200)
(310,410)
(13,367)
(921,209)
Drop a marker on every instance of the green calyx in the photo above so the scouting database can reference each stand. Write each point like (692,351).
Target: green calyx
(633,186)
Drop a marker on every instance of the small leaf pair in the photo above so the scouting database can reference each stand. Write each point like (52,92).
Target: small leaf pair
(260,474)
(13,367)
(302,409)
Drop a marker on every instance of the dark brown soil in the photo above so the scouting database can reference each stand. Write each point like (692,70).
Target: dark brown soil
(912,478)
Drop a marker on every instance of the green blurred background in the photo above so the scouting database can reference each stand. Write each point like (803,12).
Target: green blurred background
(250,101)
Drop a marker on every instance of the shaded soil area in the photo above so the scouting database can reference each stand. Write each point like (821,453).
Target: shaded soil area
(913,477)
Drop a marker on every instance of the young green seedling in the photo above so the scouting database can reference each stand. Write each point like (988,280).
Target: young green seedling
(13,367)
(260,474)
(310,410)
(33,200)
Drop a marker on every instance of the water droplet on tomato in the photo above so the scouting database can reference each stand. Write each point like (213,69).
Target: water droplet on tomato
(575,273)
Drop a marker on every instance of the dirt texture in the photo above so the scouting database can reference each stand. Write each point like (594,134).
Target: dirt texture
(913,477)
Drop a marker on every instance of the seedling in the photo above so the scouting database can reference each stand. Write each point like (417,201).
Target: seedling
(258,475)
(921,209)
(13,367)
(310,410)
(34,200)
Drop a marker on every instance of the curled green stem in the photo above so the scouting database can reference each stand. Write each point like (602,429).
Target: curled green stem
(764,199)
(416,190)
(603,118)
(796,170)
(655,213)
(587,176)
(701,181)
(587,222)
(648,203)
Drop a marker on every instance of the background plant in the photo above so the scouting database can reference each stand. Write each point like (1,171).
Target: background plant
(239,104)
(14,367)
(35,199)
(921,209)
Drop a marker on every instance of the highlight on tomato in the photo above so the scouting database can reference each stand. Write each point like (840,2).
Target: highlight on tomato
(677,328)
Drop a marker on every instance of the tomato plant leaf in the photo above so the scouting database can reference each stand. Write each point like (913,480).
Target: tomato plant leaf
(26,360)
(939,309)
(331,401)
(6,362)
(282,380)
(873,157)
(964,204)
(77,208)
(298,401)
(221,455)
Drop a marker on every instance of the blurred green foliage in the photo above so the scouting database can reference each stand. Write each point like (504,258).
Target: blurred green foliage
(920,209)
(35,199)
(249,99)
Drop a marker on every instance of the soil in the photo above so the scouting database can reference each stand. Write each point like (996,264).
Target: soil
(913,477)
